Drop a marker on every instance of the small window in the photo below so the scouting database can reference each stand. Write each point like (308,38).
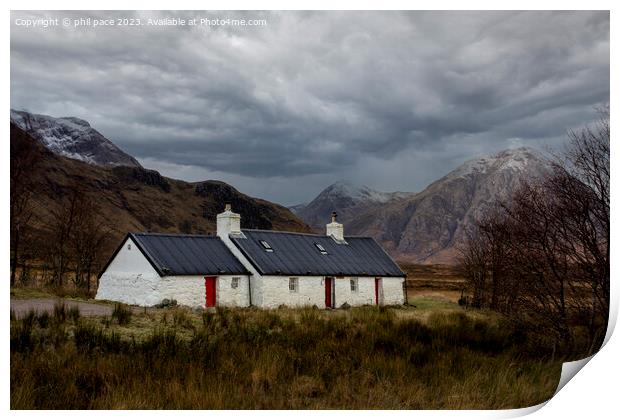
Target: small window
(293,284)
(128,247)
(321,249)
(234,283)
(266,246)
(353,282)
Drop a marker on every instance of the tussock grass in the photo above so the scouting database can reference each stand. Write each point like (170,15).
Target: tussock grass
(73,312)
(60,311)
(122,314)
(247,358)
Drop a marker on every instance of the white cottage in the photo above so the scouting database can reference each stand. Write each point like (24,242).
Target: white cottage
(248,267)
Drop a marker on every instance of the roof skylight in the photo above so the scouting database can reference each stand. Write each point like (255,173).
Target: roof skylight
(266,245)
(321,249)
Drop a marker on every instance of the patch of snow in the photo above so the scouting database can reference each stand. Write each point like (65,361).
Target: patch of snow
(360,194)
(357,193)
(512,159)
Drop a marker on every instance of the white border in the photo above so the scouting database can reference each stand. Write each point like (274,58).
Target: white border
(593,394)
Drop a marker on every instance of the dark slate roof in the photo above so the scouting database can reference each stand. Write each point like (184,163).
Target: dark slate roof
(177,254)
(297,254)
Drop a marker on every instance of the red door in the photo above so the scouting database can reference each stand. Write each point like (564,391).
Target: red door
(328,292)
(210,291)
(377,286)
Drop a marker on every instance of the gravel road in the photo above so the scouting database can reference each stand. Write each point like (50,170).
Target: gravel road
(22,306)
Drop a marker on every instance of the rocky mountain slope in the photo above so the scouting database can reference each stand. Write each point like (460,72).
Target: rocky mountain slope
(73,138)
(430,226)
(131,198)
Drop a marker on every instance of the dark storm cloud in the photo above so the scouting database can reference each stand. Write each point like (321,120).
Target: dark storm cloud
(317,96)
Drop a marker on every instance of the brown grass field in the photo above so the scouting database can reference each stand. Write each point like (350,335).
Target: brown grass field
(432,354)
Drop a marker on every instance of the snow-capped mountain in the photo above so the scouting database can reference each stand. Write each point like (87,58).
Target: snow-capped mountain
(358,194)
(428,226)
(511,159)
(344,198)
(73,138)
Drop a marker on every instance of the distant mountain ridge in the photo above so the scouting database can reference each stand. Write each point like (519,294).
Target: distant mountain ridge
(429,226)
(73,138)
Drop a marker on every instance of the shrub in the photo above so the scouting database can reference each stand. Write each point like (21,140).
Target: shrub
(122,314)
(60,311)
(464,301)
(207,318)
(43,319)
(21,336)
(89,337)
(29,319)
(73,313)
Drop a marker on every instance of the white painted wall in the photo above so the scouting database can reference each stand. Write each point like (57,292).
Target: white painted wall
(227,296)
(186,290)
(365,295)
(390,291)
(311,291)
(130,278)
(190,290)
(393,291)
(256,280)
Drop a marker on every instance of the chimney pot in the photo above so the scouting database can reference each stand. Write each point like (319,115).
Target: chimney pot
(335,229)
(228,222)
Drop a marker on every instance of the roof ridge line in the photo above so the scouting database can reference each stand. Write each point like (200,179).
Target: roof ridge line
(282,231)
(196,235)
(302,233)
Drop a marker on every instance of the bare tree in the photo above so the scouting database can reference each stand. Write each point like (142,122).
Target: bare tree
(581,182)
(539,261)
(87,239)
(544,258)
(23,171)
(484,262)
(473,266)
(78,237)
(61,224)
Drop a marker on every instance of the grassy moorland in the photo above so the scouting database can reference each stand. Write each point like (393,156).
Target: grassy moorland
(437,281)
(431,355)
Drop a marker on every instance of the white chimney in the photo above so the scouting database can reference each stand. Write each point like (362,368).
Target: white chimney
(228,222)
(335,229)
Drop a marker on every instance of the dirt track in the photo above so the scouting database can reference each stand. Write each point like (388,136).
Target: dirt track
(22,306)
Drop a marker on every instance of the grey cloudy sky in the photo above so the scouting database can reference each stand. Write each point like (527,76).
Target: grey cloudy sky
(393,100)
